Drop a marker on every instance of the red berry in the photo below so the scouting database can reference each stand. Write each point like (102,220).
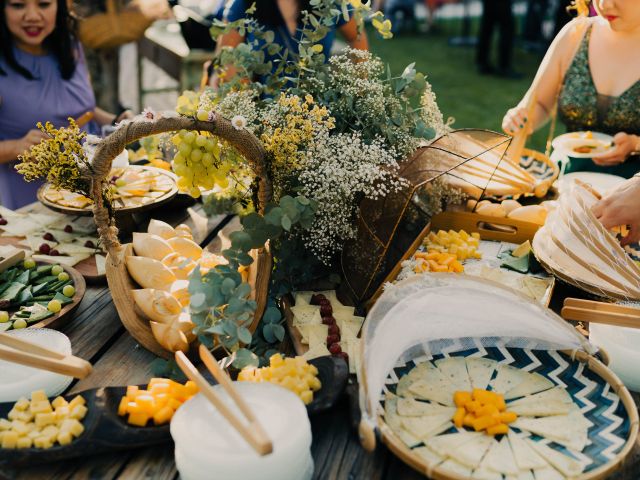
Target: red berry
(49,236)
(68,229)
(326,310)
(331,339)
(333,329)
(89,244)
(44,249)
(316,297)
(324,301)
(3,221)
(329,320)
(335,349)
(54,253)
(344,355)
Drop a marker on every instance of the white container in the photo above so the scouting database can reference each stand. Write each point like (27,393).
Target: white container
(208,447)
(623,346)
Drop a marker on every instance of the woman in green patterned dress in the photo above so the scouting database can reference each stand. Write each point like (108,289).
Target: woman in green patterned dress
(592,70)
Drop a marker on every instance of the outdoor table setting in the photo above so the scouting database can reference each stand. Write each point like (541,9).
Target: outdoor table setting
(312,275)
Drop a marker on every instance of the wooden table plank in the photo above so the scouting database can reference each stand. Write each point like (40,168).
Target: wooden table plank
(153,463)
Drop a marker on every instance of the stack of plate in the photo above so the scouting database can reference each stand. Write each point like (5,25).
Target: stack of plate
(574,246)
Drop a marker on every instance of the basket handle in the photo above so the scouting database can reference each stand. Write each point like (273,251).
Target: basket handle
(243,140)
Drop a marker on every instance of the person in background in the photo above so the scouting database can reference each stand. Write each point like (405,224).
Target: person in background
(496,13)
(622,207)
(593,72)
(43,77)
(283,17)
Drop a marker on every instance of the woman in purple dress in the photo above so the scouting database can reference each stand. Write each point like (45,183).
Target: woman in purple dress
(43,77)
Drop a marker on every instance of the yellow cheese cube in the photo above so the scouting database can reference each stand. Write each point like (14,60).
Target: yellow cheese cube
(276,360)
(163,416)
(499,429)
(39,396)
(306,397)
(51,432)
(9,439)
(77,400)
(76,428)
(78,412)
(22,404)
(138,419)
(4,424)
(44,419)
(133,407)
(508,417)
(191,387)
(315,384)
(19,427)
(59,402)
(13,414)
(64,438)
(40,406)
(33,434)
(122,407)
(155,381)
(24,442)
(174,404)
(132,391)
(62,413)
(42,442)
(25,416)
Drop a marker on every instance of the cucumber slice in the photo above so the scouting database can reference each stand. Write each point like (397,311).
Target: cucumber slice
(44,269)
(25,295)
(63,299)
(5,326)
(50,278)
(12,292)
(23,278)
(41,287)
(39,316)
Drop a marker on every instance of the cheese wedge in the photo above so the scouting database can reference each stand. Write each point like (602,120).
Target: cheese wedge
(456,467)
(441,392)
(34,241)
(566,465)
(472,453)
(449,443)
(306,314)
(408,407)
(525,457)
(508,377)
(69,261)
(534,383)
(425,427)
(394,422)
(317,333)
(557,394)
(303,298)
(484,474)
(101,264)
(540,409)
(547,473)
(480,371)
(75,248)
(500,458)
(454,369)
(568,430)
(522,475)
(431,457)
(319,350)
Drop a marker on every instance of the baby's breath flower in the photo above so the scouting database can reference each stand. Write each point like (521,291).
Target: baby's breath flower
(239,122)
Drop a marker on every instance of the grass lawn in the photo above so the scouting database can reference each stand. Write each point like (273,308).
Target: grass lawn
(473,100)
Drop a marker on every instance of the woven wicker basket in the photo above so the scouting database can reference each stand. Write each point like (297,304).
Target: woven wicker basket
(118,278)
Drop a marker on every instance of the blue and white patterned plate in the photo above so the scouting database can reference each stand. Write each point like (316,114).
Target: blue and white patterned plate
(597,401)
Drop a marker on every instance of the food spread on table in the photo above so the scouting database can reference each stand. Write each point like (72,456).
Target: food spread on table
(512,209)
(131,187)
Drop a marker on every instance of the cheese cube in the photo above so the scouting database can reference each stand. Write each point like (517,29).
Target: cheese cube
(19,427)
(62,413)
(306,397)
(51,432)
(138,419)
(22,404)
(132,390)
(163,416)
(44,419)
(78,412)
(122,406)
(4,424)
(42,442)
(64,438)
(59,402)
(72,426)
(13,414)
(9,439)
(35,433)
(39,396)
(25,416)
(24,442)
(40,407)
(77,400)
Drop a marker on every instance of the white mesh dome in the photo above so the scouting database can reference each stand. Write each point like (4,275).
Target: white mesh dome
(421,315)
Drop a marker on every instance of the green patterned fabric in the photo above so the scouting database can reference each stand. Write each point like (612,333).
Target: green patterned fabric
(581,107)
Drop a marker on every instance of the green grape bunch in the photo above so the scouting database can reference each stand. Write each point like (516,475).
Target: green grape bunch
(197,162)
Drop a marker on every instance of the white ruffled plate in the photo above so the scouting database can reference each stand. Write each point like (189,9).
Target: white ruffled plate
(19,381)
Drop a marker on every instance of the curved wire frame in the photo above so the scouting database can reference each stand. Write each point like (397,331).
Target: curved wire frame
(389,225)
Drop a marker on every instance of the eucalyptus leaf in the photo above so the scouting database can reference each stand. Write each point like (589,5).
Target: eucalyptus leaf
(278,331)
(245,358)
(244,335)
(272,315)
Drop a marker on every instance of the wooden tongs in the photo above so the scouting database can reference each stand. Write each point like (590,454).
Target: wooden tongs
(23,352)
(251,430)
(600,312)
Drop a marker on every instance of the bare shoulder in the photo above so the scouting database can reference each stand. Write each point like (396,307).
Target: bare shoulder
(566,43)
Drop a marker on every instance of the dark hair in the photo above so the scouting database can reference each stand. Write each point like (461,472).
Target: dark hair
(268,14)
(61,42)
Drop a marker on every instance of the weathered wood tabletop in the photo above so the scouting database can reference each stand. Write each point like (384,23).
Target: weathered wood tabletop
(97,335)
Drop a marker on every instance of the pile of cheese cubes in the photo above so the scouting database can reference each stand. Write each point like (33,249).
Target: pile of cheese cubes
(158,402)
(445,251)
(294,374)
(39,423)
(482,410)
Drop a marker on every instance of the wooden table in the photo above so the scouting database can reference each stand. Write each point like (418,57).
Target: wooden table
(97,335)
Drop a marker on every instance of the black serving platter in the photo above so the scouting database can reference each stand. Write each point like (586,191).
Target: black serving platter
(105,431)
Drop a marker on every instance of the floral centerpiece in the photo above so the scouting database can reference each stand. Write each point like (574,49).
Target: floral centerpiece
(334,129)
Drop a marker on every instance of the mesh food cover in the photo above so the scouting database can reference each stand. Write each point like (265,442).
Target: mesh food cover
(426,314)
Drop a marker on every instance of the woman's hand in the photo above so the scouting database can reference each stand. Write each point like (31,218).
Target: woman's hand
(623,145)
(622,207)
(515,120)
(33,137)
